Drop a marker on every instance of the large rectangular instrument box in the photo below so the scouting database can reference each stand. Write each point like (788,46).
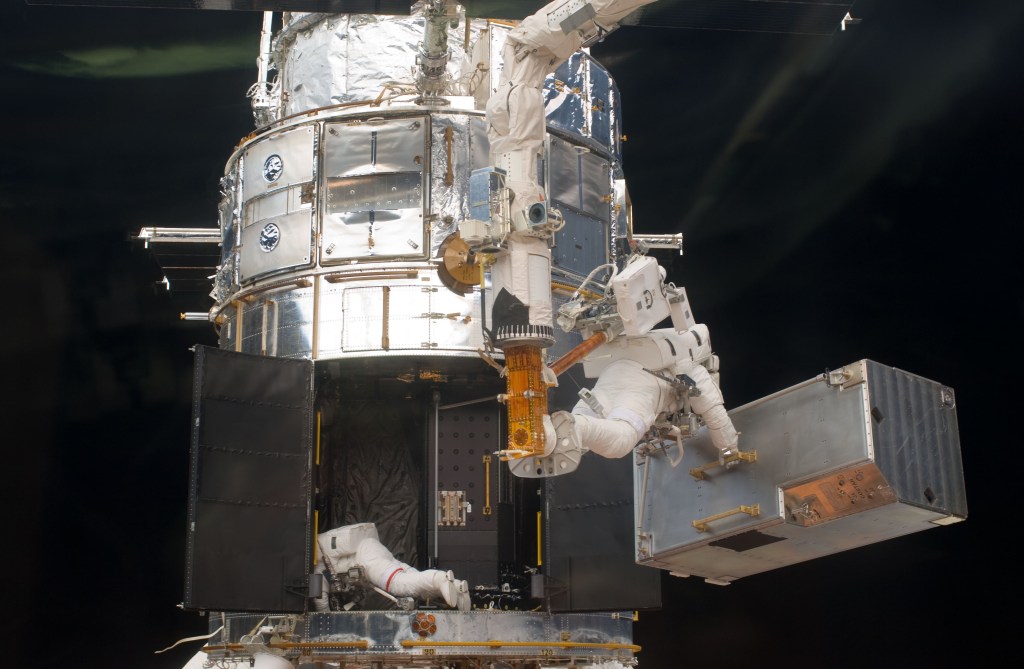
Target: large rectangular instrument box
(852,457)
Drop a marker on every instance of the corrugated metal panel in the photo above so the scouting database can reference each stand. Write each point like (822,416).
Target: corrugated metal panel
(842,461)
(919,457)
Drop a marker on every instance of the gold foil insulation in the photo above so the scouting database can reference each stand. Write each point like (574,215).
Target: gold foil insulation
(527,401)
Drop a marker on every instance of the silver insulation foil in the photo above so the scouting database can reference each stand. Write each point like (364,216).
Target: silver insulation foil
(422,318)
(326,59)
(226,278)
(423,155)
(449,184)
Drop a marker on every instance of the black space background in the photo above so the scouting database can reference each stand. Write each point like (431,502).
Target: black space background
(845,198)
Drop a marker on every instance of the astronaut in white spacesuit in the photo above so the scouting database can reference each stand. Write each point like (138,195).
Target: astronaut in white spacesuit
(358,547)
(633,398)
(646,387)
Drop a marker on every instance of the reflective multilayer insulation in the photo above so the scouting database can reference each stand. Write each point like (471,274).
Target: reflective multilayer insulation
(325,60)
(433,638)
(332,222)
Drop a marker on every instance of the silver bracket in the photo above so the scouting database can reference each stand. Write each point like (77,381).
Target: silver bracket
(588,397)
(564,457)
(452,508)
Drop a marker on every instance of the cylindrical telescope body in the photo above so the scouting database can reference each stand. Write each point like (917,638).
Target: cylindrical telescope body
(349,197)
(332,223)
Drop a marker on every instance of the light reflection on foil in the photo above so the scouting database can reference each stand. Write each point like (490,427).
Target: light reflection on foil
(566,95)
(334,59)
(449,157)
(420,319)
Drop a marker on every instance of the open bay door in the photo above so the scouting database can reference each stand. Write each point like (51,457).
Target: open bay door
(588,541)
(588,534)
(249,520)
(851,457)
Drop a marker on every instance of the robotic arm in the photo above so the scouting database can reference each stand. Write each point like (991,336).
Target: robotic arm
(509,217)
(534,49)
(647,380)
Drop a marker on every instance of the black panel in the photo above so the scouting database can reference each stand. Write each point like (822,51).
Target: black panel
(507,540)
(398,7)
(248,545)
(746,541)
(917,439)
(465,435)
(589,551)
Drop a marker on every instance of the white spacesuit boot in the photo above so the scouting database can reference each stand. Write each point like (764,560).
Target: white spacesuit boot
(454,591)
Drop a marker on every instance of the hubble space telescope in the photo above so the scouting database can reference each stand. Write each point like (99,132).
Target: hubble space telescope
(458,415)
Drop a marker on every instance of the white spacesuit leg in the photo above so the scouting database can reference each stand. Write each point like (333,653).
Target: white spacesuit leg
(399,579)
(359,546)
(631,398)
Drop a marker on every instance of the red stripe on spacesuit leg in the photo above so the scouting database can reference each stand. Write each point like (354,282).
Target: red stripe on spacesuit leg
(387,586)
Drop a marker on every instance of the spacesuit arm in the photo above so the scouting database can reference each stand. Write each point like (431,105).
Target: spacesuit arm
(710,406)
(632,399)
